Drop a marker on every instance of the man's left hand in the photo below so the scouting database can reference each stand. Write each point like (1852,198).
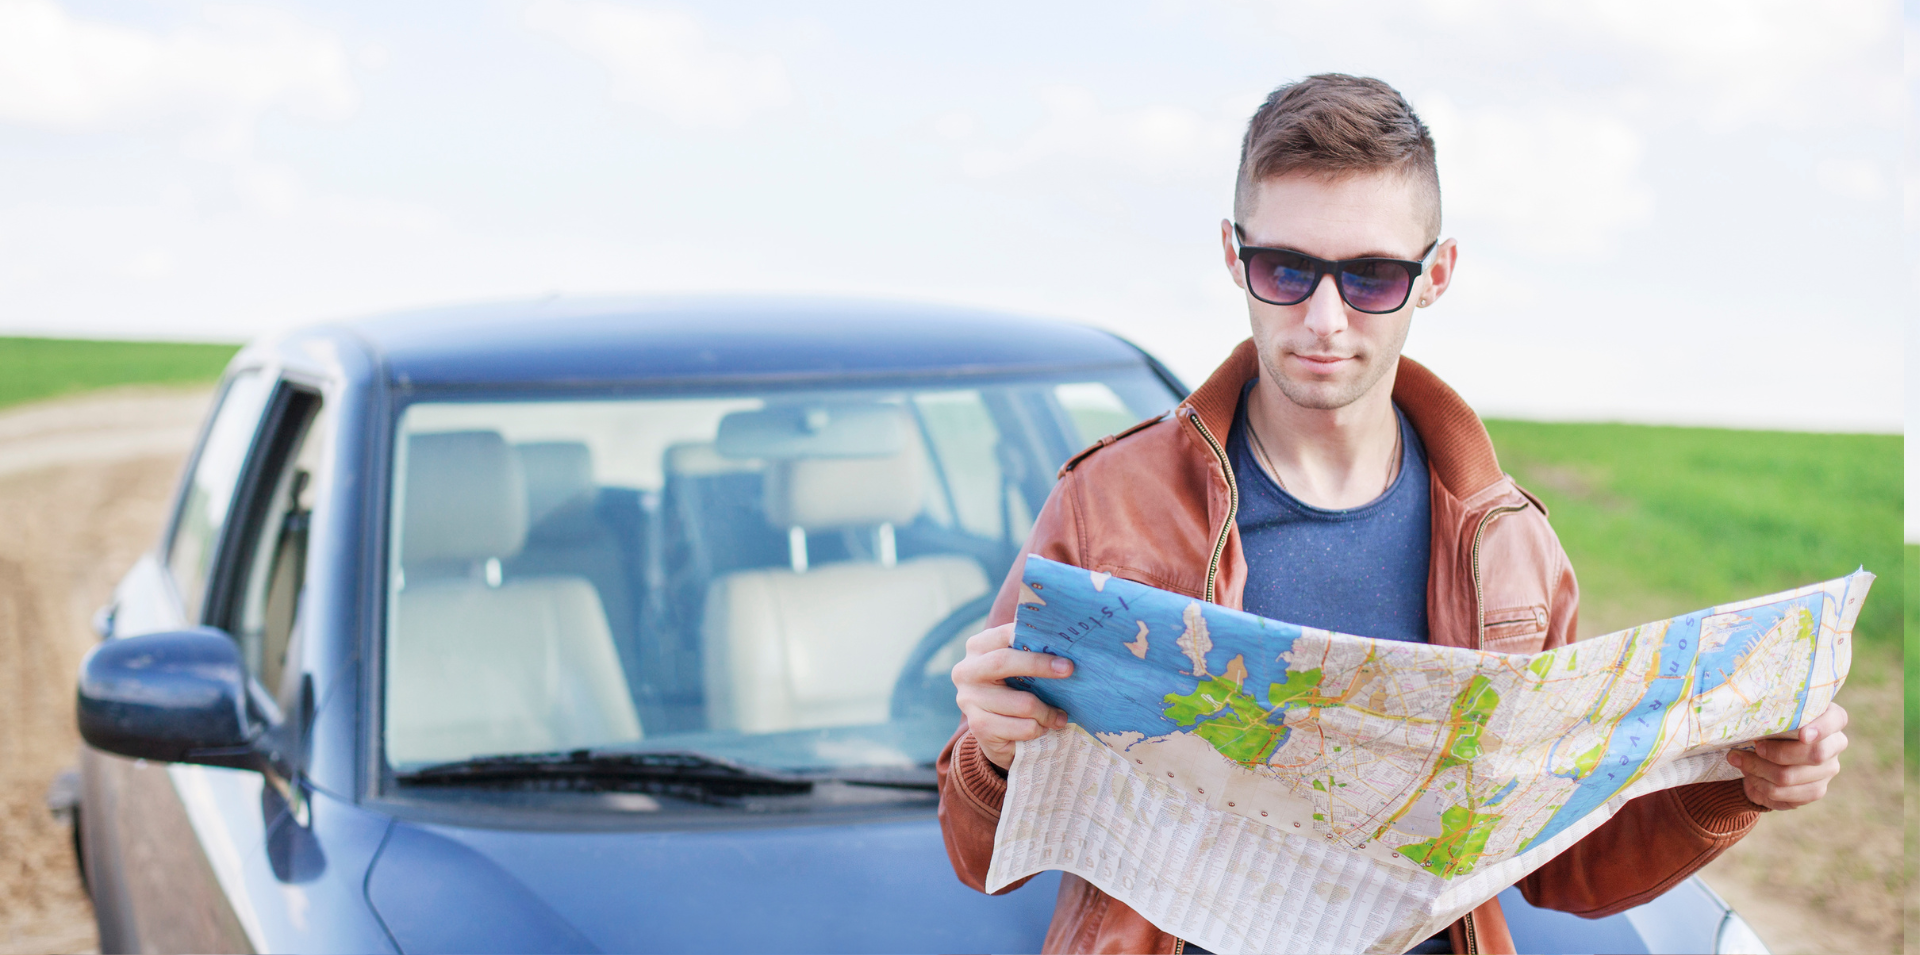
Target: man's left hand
(1792,770)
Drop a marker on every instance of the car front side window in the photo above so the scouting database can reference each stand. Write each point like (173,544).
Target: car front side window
(209,497)
(272,553)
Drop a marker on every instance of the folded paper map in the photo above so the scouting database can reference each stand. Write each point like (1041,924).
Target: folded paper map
(1253,785)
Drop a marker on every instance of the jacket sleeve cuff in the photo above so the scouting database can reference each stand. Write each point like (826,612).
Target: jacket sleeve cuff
(981,782)
(1721,808)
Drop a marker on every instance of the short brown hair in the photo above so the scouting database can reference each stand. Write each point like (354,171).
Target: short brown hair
(1335,125)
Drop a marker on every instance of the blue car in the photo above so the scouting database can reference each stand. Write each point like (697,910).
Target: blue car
(599,626)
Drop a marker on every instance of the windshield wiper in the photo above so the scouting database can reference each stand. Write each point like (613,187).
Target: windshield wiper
(667,773)
(886,777)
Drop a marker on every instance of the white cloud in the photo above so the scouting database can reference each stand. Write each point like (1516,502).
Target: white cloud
(150,264)
(959,125)
(214,77)
(1554,180)
(663,60)
(1851,178)
(1911,174)
(202,87)
(1716,63)
(1779,62)
(1158,141)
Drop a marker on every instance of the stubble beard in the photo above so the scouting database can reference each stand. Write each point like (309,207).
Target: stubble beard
(1332,395)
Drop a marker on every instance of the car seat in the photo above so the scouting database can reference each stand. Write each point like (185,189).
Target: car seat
(478,664)
(578,529)
(711,523)
(715,515)
(821,644)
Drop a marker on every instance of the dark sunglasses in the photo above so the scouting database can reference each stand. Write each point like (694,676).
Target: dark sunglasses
(1372,285)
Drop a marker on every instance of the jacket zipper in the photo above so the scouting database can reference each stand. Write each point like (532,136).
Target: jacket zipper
(1479,639)
(1219,545)
(1233,509)
(1479,596)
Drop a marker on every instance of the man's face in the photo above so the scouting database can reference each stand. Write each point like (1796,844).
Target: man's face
(1322,354)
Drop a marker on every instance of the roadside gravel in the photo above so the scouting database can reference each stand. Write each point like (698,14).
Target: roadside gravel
(84,483)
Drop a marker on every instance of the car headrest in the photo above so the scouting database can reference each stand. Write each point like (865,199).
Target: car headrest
(557,473)
(465,498)
(821,493)
(699,459)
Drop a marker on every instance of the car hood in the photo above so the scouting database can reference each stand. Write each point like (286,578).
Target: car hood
(879,886)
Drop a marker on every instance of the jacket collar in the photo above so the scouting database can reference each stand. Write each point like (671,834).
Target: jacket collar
(1459,452)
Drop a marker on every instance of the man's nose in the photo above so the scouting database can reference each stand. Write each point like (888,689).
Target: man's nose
(1326,312)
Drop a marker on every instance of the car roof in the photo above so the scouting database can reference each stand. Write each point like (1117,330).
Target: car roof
(558,341)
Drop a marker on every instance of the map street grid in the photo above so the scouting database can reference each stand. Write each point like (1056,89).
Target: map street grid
(1256,785)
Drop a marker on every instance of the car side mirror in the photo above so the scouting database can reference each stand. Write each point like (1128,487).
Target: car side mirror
(179,697)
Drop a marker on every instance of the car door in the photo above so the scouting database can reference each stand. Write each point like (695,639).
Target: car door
(233,559)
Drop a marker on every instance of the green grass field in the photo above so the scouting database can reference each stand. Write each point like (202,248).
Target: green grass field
(1667,519)
(35,368)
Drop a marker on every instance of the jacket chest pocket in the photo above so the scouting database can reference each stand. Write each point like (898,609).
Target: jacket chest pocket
(1516,629)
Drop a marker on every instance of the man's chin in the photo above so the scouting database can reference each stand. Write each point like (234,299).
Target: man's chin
(1320,395)
(1319,399)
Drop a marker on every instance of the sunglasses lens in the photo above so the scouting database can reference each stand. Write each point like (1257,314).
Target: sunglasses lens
(1375,286)
(1280,277)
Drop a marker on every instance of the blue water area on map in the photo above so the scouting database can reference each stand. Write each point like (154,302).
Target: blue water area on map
(1502,794)
(1631,741)
(1680,659)
(1713,667)
(1093,628)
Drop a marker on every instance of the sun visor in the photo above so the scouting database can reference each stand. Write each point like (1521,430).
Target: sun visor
(814,431)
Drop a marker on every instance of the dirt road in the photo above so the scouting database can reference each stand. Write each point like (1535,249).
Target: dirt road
(83,487)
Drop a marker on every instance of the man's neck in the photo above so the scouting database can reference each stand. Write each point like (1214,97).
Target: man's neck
(1335,459)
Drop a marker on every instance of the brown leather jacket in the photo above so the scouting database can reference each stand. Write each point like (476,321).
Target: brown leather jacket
(1156,504)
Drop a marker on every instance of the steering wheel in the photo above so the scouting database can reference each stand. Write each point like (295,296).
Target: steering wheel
(914,694)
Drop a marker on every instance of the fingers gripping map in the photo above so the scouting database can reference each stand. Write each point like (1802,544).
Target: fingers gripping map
(1254,785)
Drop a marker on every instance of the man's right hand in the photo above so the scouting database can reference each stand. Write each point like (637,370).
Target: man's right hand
(998,714)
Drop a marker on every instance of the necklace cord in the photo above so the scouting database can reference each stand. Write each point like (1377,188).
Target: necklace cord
(1260,447)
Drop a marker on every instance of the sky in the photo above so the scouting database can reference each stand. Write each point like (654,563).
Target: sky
(1911,217)
(1679,213)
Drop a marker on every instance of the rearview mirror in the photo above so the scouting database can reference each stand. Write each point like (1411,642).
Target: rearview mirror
(177,697)
(814,431)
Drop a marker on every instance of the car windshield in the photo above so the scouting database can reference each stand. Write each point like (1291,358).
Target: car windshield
(775,579)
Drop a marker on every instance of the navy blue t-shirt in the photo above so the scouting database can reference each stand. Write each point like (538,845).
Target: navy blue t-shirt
(1361,571)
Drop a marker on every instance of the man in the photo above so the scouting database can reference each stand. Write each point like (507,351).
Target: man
(1320,478)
